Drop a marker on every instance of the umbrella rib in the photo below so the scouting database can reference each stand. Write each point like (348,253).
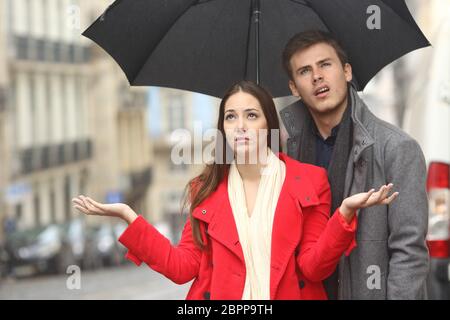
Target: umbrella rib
(248,45)
(211,33)
(161,39)
(301,2)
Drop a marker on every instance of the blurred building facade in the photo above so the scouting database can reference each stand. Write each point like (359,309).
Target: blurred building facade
(427,116)
(177,109)
(4,83)
(69,123)
(413,91)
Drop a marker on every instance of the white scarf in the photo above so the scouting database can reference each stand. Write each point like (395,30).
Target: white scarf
(255,232)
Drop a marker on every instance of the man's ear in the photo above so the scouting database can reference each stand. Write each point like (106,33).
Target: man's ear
(348,72)
(293,88)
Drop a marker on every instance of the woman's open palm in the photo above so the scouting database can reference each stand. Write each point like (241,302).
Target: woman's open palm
(371,198)
(91,207)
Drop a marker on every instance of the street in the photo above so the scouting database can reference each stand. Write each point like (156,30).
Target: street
(126,282)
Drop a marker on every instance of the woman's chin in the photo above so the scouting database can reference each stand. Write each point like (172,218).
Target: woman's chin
(246,154)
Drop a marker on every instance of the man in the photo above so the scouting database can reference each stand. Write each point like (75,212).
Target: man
(332,127)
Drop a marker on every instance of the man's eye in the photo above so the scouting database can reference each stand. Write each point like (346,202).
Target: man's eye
(303,72)
(326,64)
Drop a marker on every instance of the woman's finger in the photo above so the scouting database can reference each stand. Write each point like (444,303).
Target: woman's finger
(84,201)
(386,191)
(391,198)
(95,203)
(98,207)
(82,209)
(379,194)
(366,196)
(77,201)
(90,206)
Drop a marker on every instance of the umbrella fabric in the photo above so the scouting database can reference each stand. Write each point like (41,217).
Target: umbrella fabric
(205,46)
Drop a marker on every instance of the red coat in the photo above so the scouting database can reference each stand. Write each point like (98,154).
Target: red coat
(306,244)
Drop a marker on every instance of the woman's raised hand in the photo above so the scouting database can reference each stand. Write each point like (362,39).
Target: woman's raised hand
(90,207)
(358,201)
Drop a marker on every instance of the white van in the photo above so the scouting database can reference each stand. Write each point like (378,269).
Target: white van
(427,119)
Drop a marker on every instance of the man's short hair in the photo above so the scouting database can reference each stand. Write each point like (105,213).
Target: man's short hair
(306,39)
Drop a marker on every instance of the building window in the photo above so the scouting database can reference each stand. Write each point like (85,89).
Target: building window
(37,210)
(33,109)
(175,113)
(18,212)
(67,206)
(52,205)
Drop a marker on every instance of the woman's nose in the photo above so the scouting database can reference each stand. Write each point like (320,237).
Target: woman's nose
(241,125)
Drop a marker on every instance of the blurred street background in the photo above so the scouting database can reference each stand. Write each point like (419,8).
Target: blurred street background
(70,124)
(128,282)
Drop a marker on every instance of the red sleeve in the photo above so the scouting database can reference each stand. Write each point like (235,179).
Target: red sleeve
(145,244)
(324,239)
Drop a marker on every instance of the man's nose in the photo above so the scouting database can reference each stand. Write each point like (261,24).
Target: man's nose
(317,76)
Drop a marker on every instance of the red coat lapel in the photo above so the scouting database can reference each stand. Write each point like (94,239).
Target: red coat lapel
(297,192)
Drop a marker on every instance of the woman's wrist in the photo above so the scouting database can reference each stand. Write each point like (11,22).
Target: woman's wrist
(346,212)
(129,215)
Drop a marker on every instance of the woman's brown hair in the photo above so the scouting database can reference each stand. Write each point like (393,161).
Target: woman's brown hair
(202,186)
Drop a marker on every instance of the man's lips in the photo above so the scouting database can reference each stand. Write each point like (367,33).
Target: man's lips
(322,91)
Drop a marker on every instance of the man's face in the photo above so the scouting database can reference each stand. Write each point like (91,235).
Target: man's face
(319,78)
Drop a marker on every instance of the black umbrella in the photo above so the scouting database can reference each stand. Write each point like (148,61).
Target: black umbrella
(206,45)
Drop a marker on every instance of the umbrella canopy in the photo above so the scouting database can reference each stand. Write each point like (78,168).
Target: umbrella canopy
(207,45)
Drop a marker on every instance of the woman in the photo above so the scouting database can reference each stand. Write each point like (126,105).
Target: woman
(257,230)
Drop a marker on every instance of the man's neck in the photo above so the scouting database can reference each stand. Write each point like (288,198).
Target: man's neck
(325,122)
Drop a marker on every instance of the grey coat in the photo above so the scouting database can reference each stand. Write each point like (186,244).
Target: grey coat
(391,257)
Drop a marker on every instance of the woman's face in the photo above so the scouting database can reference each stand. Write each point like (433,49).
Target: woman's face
(243,121)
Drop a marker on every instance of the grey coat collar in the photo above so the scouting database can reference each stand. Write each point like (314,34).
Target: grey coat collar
(294,117)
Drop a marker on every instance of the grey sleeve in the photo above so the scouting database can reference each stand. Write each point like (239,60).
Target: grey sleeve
(408,221)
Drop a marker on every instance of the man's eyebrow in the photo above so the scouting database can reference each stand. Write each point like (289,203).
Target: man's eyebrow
(318,62)
(323,60)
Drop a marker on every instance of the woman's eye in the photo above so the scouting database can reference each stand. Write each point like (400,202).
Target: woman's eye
(252,116)
(229,117)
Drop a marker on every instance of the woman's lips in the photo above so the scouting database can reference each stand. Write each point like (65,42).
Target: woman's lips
(241,139)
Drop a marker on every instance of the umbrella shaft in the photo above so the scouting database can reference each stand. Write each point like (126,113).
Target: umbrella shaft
(255,15)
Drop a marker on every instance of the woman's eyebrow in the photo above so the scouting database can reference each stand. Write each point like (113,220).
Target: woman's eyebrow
(245,110)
